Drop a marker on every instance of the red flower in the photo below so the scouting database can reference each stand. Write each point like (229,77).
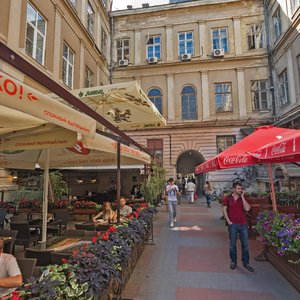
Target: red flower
(138,210)
(112,229)
(135,214)
(64,260)
(105,237)
(15,297)
(75,252)
(98,233)
(94,239)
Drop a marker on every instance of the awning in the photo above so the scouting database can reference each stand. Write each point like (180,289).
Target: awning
(123,104)
(18,96)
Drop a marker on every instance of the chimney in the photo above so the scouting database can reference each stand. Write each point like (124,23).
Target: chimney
(145,5)
(129,6)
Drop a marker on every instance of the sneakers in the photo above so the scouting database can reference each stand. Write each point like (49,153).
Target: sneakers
(174,220)
(232,265)
(171,224)
(248,267)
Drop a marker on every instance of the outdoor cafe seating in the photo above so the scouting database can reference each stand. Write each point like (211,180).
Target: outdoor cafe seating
(8,237)
(25,236)
(27,266)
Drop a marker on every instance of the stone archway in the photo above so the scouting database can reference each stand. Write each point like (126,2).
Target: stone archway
(185,166)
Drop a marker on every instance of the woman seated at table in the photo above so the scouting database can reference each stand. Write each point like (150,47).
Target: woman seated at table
(107,215)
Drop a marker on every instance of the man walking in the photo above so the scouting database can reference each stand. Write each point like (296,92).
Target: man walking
(234,208)
(190,187)
(172,192)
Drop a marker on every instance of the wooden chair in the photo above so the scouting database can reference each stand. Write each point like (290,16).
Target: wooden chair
(73,232)
(56,257)
(63,215)
(43,257)
(25,236)
(86,227)
(13,235)
(27,266)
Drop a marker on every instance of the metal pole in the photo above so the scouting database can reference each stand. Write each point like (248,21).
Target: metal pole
(273,196)
(45,196)
(118,180)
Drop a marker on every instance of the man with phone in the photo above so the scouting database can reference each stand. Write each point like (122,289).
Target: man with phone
(172,191)
(235,207)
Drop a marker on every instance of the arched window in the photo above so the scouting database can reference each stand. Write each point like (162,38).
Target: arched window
(189,103)
(155,96)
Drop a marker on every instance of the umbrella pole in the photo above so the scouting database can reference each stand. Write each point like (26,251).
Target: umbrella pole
(118,179)
(273,196)
(45,196)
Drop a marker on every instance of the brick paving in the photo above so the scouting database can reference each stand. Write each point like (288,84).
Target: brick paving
(191,262)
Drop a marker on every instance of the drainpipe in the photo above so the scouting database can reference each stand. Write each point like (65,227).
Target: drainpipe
(170,155)
(111,64)
(270,61)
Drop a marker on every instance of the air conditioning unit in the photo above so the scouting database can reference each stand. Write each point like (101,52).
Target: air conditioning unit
(123,62)
(218,52)
(186,56)
(152,60)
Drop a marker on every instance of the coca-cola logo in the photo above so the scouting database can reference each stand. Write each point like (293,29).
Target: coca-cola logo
(235,160)
(279,149)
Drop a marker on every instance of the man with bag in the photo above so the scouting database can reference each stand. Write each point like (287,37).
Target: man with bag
(235,207)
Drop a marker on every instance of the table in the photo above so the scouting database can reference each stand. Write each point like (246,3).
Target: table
(53,226)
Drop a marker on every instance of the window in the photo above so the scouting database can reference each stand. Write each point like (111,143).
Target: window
(260,94)
(156,98)
(220,38)
(295,4)
(74,3)
(35,34)
(283,88)
(298,63)
(103,41)
(189,103)
(90,15)
(68,66)
(185,43)
(223,97)
(122,49)
(89,77)
(104,3)
(224,142)
(276,24)
(153,46)
(156,146)
(255,36)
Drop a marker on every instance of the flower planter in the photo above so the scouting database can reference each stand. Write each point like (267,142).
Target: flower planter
(87,211)
(290,271)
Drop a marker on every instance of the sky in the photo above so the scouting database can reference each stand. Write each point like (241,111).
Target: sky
(122,4)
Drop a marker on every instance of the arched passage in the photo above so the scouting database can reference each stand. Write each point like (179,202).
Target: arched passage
(185,166)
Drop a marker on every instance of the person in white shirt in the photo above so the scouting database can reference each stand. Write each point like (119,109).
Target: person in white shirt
(172,191)
(10,274)
(190,188)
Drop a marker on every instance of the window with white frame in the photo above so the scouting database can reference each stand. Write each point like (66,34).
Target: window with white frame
(103,41)
(224,141)
(89,77)
(283,88)
(223,97)
(255,36)
(260,95)
(35,34)
(90,18)
(185,43)
(68,66)
(295,4)
(189,103)
(153,46)
(122,49)
(220,38)
(155,96)
(74,3)
(276,24)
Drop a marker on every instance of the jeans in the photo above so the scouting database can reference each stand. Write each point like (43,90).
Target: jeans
(208,199)
(172,210)
(191,196)
(242,230)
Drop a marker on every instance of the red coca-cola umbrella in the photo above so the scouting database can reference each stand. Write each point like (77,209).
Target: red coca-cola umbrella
(246,152)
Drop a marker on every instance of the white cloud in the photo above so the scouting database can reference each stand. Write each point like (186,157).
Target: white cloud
(122,4)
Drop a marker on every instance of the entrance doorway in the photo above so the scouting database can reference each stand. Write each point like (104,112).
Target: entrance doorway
(185,166)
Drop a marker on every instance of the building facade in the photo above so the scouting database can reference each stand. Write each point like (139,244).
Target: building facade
(205,66)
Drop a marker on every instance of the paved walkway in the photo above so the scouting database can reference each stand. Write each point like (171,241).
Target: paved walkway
(191,262)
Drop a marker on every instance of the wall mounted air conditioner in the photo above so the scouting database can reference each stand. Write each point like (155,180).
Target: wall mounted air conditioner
(218,52)
(186,56)
(123,62)
(152,60)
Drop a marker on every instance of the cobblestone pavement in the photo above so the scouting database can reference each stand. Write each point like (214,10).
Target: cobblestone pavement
(191,262)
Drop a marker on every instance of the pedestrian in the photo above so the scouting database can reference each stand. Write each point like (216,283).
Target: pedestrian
(207,193)
(235,207)
(190,187)
(172,192)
